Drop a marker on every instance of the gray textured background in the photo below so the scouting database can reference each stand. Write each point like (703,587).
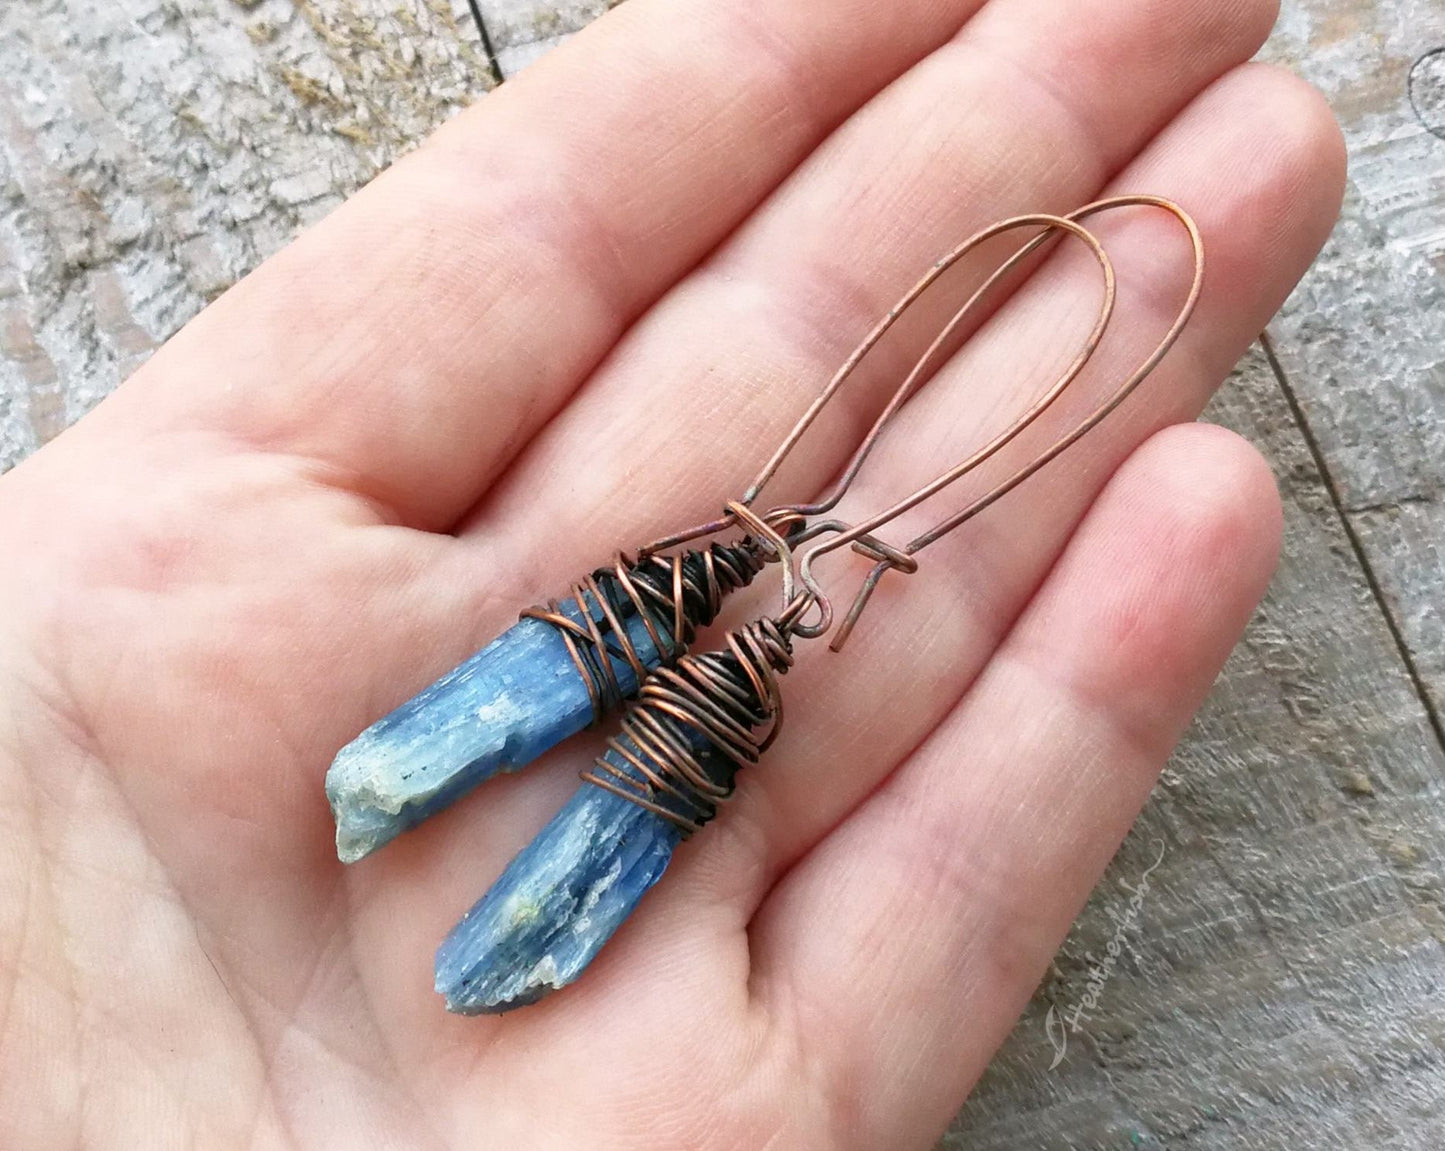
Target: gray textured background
(1282,984)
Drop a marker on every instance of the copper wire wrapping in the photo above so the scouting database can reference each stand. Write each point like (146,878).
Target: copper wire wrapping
(693,726)
(682,743)
(678,593)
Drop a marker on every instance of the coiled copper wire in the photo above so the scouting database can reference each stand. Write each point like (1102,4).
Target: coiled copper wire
(693,726)
(672,595)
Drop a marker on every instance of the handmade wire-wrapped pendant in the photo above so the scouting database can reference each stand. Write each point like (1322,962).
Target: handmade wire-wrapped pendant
(561,668)
(696,725)
(659,781)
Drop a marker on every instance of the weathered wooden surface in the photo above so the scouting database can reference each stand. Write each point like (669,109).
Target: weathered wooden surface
(1281,984)
(1363,342)
(522,30)
(153,151)
(1281,987)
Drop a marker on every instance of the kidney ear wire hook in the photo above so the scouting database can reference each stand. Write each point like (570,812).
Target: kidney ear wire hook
(865,542)
(861,536)
(793,520)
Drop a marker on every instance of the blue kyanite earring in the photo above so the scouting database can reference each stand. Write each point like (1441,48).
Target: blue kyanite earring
(559,669)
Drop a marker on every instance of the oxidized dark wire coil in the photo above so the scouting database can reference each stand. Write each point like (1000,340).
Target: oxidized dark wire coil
(672,595)
(694,726)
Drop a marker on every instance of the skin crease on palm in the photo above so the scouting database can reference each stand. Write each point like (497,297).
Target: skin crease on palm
(572,321)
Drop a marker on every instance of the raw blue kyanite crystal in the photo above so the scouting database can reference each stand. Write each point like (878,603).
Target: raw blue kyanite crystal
(557,903)
(514,700)
(565,895)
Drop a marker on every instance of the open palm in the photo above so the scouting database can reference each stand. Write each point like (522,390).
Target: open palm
(578,318)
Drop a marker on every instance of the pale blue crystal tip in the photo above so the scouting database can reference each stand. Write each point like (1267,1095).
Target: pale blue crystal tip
(556,905)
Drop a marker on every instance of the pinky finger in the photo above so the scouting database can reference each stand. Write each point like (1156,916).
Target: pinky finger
(901,951)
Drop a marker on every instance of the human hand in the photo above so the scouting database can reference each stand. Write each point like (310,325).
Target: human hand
(575,320)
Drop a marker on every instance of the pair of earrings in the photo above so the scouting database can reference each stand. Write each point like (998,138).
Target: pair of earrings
(694,721)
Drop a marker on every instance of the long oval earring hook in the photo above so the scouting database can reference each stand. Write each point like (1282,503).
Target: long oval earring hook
(793,515)
(1050,224)
(865,530)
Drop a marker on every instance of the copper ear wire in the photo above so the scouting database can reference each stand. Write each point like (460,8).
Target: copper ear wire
(1050,224)
(688,590)
(862,537)
(795,517)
